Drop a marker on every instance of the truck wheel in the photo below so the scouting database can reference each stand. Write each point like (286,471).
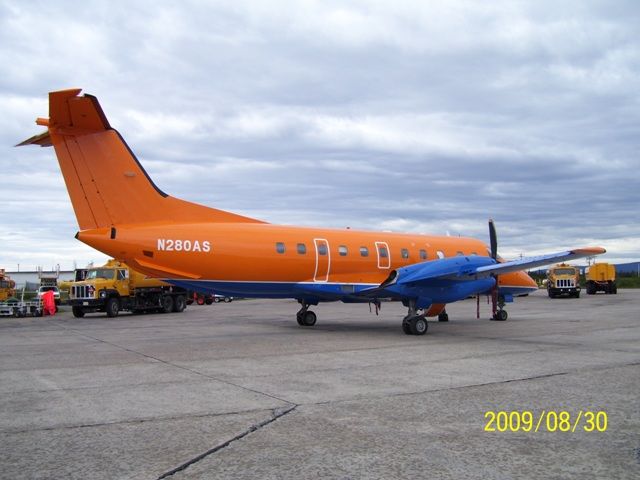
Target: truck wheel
(167,304)
(78,312)
(112,307)
(208,300)
(179,304)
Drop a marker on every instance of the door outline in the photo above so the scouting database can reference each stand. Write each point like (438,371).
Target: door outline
(381,260)
(321,273)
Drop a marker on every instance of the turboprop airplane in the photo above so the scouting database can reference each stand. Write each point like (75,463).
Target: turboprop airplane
(122,213)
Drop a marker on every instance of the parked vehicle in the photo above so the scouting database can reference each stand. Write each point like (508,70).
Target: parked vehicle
(56,293)
(221,298)
(601,277)
(563,279)
(114,287)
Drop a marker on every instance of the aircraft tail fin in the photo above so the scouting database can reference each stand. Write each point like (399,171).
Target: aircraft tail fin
(105,180)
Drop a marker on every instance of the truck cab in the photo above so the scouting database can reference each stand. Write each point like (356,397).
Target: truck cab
(563,280)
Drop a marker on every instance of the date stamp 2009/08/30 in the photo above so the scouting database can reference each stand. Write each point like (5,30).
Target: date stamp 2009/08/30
(545,420)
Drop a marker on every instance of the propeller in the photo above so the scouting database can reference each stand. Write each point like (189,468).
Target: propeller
(493,239)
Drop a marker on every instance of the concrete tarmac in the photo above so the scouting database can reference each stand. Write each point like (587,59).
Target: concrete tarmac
(240,391)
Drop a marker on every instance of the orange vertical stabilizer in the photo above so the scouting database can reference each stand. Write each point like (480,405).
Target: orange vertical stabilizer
(105,181)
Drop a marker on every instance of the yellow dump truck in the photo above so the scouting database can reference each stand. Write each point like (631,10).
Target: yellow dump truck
(601,277)
(563,279)
(115,287)
(7,286)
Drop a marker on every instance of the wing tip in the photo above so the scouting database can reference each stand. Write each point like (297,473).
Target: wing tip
(589,251)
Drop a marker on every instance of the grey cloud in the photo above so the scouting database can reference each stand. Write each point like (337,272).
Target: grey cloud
(427,117)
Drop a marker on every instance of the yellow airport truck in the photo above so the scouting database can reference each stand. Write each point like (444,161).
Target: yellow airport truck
(115,287)
(601,277)
(563,279)
(7,286)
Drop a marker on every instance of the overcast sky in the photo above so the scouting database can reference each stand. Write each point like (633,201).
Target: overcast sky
(412,116)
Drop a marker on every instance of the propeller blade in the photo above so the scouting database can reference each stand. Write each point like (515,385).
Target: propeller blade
(493,237)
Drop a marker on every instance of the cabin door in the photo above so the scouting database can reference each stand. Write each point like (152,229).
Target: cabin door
(384,257)
(323,260)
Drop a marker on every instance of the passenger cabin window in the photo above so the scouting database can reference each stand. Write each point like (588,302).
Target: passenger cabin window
(322,249)
(302,248)
(280,247)
(423,254)
(404,253)
(342,250)
(364,252)
(460,254)
(440,254)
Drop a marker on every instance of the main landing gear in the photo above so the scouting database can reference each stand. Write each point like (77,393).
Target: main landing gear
(305,317)
(414,323)
(500,315)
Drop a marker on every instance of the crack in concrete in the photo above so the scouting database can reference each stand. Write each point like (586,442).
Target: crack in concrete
(276,414)
(165,418)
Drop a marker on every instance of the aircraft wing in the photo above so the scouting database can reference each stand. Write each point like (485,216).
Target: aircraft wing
(537,261)
(460,270)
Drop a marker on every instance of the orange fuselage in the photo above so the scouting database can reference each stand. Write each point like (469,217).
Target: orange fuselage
(255,252)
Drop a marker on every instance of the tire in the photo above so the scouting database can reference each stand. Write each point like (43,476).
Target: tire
(208,301)
(443,317)
(179,303)
(577,294)
(167,304)
(501,315)
(308,319)
(200,300)
(216,299)
(112,307)
(78,312)
(406,328)
(418,325)
(227,299)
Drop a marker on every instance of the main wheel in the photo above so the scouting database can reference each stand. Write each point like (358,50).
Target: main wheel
(112,307)
(167,304)
(443,317)
(308,319)
(78,312)
(179,303)
(406,328)
(501,315)
(418,325)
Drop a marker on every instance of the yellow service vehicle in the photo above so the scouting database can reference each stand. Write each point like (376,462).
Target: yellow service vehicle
(601,277)
(563,279)
(7,286)
(115,287)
